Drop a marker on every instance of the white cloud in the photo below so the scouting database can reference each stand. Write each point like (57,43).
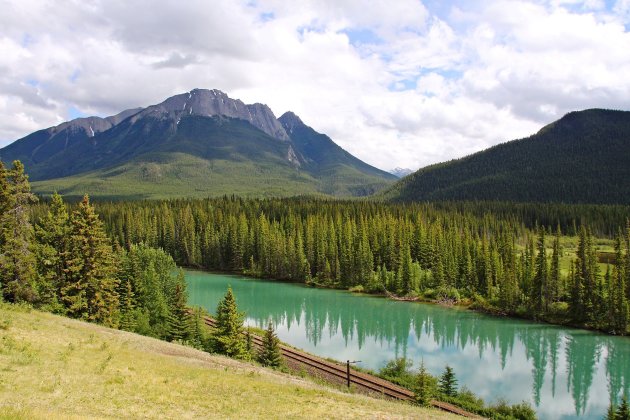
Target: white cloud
(395,83)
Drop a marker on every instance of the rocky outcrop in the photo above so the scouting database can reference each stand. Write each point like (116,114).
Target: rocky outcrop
(207,103)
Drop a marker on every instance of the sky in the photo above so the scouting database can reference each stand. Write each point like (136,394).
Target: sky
(398,83)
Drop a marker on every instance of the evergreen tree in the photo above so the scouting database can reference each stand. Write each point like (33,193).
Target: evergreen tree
(90,293)
(554,290)
(623,411)
(618,302)
(53,234)
(229,330)
(610,413)
(269,354)
(424,386)
(17,260)
(540,284)
(448,382)
(179,323)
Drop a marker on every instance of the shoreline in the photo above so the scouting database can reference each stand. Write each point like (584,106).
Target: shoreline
(462,304)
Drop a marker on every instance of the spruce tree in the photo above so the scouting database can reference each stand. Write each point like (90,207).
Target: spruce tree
(540,286)
(269,354)
(17,260)
(90,293)
(179,325)
(448,382)
(424,386)
(555,288)
(623,411)
(53,233)
(229,330)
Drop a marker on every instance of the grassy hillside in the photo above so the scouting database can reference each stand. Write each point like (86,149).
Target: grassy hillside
(54,367)
(581,158)
(181,175)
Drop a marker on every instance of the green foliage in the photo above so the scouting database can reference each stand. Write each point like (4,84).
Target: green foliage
(623,411)
(229,329)
(53,238)
(269,354)
(438,252)
(581,158)
(448,383)
(90,292)
(425,386)
(179,321)
(151,295)
(17,259)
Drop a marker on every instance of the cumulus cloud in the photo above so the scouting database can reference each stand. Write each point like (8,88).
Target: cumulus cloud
(395,83)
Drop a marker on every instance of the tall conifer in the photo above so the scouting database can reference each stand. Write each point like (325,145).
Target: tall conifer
(269,354)
(17,260)
(91,289)
(229,331)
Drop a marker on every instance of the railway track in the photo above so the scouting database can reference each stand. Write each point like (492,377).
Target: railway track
(360,379)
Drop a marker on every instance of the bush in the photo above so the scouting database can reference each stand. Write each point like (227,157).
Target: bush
(449,294)
(357,289)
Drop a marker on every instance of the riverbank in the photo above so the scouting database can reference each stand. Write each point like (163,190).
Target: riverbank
(55,367)
(556,317)
(497,357)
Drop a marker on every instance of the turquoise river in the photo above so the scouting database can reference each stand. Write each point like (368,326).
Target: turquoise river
(564,373)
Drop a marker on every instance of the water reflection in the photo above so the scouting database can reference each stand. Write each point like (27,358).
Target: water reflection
(563,373)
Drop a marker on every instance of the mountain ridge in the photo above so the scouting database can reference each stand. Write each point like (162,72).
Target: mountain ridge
(581,158)
(203,137)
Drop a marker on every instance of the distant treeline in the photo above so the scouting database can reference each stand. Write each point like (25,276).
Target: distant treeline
(443,252)
(603,220)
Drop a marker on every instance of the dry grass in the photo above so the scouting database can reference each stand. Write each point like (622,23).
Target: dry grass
(54,367)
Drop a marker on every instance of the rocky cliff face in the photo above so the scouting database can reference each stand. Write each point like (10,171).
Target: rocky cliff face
(91,125)
(207,103)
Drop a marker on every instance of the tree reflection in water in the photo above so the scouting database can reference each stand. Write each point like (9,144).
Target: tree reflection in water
(494,357)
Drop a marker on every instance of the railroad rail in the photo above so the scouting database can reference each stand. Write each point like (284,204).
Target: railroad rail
(363,380)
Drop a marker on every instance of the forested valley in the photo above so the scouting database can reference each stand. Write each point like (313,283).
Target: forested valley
(497,261)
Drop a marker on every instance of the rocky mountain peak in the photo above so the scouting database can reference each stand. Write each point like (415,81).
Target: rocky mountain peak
(290,121)
(93,125)
(207,103)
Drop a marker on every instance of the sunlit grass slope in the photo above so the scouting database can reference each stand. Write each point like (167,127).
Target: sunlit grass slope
(54,367)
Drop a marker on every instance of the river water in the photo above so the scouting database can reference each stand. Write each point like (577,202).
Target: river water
(564,373)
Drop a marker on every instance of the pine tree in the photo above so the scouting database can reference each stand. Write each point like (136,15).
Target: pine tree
(448,382)
(555,289)
(424,386)
(610,414)
(623,411)
(53,233)
(228,336)
(269,354)
(17,260)
(90,293)
(540,284)
(179,323)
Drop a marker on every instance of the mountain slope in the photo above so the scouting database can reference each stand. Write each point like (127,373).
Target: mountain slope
(582,158)
(338,168)
(198,143)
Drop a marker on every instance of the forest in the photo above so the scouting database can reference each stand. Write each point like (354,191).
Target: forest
(494,261)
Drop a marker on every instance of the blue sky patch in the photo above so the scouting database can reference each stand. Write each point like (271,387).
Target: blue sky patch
(75,113)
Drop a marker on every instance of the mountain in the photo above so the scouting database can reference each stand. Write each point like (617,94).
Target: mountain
(198,143)
(401,172)
(582,158)
(335,166)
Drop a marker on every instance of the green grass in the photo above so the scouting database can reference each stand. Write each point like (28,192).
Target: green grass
(54,367)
